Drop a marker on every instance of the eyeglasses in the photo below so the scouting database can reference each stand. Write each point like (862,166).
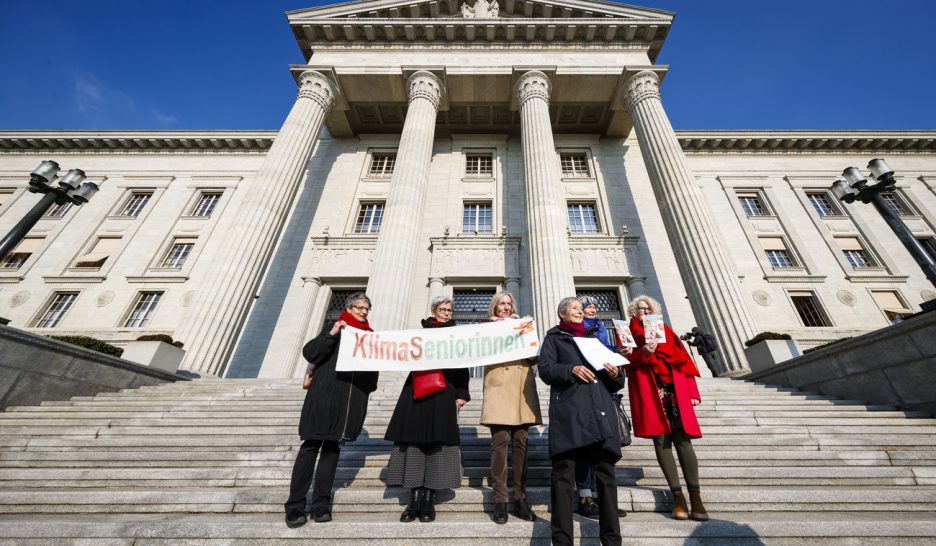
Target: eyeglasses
(361,308)
(444,310)
(647,309)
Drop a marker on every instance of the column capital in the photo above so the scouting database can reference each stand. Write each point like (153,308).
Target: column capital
(639,87)
(436,280)
(425,85)
(316,86)
(533,85)
(312,280)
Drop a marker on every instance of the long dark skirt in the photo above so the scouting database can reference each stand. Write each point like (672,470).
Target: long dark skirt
(434,466)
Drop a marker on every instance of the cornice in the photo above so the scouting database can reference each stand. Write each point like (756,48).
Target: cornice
(806,142)
(109,142)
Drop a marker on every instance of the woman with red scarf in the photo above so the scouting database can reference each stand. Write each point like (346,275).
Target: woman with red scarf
(424,429)
(662,387)
(333,413)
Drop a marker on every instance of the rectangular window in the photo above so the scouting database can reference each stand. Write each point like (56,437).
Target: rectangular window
(206,204)
(777,252)
(752,205)
(143,309)
(102,249)
(470,306)
(135,204)
(808,308)
(888,300)
(58,210)
(369,218)
(21,253)
(479,165)
(574,165)
(337,303)
(55,311)
(855,253)
(929,245)
(382,165)
(178,253)
(897,203)
(477,218)
(823,204)
(583,218)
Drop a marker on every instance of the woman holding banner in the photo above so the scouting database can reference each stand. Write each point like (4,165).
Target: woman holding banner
(663,391)
(582,424)
(333,413)
(510,408)
(424,429)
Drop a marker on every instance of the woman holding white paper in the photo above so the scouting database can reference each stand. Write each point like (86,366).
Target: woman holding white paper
(510,408)
(582,424)
(663,391)
(424,429)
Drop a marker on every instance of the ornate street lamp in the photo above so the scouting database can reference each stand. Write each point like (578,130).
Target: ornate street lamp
(71,189)
(856,188)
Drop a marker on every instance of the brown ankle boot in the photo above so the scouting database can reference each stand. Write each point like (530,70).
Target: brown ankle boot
(680,511)
(698,512)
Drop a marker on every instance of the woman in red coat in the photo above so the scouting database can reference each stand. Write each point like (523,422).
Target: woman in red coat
(662,387)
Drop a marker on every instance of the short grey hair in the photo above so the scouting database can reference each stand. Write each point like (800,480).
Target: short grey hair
(564,304)
(653,304)
(439,300)
(356,297)
(588,301)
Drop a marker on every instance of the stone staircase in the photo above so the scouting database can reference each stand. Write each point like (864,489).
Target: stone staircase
(209,462)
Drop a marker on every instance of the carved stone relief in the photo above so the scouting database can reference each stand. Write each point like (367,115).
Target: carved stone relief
(481,10)
(761,298)
(19,298)
(599,261)
(105,298)
(846,297)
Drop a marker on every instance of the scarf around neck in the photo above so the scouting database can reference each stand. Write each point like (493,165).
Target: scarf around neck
(353,322)
(577,330)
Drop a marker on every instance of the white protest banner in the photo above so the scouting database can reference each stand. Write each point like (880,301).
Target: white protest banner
(437,348)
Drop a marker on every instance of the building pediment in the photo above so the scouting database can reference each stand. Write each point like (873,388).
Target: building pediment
(438,21)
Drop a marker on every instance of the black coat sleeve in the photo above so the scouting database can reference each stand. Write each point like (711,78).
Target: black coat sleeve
(459,379)
(320,349)
(551,371)
(369,383)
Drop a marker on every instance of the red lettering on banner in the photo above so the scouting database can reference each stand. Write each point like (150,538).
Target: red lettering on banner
(359,344)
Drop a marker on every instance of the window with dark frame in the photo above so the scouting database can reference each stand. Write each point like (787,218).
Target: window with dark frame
(897,203)
(135,204)
(369,217)
(777,252)
(929,245)
(56,309)
(21,253)
(823,204)
(58,210)
(479,165)
(609,306)
(382,164)
(143,309)
(574,165)
(583,218)
(478,217)
(855,253)
(809,310)
(206,204)
(336,305)
(103,248)
(752,204)
(470,305)
(178,252)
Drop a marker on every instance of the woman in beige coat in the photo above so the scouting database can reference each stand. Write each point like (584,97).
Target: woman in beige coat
(510,407)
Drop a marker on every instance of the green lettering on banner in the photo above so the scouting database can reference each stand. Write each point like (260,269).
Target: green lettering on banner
(461,347)
(486,346)
(508,343)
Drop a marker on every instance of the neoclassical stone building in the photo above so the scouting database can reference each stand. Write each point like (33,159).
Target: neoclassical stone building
(441,147)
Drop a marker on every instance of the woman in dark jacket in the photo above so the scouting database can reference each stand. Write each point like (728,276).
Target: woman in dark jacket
(426,454)
(582,424)
(333,413)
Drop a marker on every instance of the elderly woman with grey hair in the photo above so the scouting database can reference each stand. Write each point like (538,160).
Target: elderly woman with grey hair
(333,413)
(426,456)
(582,424)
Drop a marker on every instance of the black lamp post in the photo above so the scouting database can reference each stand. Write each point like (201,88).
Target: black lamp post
(855,188)
(70,190)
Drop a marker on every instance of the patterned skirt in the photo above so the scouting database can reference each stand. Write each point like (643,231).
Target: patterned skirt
(434,466)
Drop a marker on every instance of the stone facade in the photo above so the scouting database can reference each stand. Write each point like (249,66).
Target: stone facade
(522,148)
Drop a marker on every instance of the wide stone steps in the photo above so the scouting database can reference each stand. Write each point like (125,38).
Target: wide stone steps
(210,461)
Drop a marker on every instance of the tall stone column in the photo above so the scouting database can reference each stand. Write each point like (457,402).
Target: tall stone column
(547,218)
(436,289)
(512,285)
(391,279)
(706,268)
(232,278)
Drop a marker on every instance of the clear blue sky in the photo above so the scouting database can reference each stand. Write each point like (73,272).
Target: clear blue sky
(191,64)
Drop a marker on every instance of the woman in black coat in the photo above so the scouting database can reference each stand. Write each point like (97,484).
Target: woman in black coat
(426,455)
(582,424)
(333,413)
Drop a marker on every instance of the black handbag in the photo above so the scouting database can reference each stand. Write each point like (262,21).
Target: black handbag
(623,421)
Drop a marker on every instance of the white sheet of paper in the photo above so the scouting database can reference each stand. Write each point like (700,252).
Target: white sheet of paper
(597,354)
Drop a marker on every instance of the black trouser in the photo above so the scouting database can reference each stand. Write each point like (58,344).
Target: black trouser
(563,494)
(302,473)
(709,359)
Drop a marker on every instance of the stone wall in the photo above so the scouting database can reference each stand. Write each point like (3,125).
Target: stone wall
(35,368)
(894,365)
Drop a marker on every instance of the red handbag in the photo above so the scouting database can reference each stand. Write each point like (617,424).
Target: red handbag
(426,383)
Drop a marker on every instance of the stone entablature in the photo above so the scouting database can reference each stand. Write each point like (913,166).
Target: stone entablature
(109,142)
(807,142)
(471,257)
(335,256)
(605,257)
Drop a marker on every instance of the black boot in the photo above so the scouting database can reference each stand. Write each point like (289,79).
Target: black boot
(500,513)
(427,509)
(412,509)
